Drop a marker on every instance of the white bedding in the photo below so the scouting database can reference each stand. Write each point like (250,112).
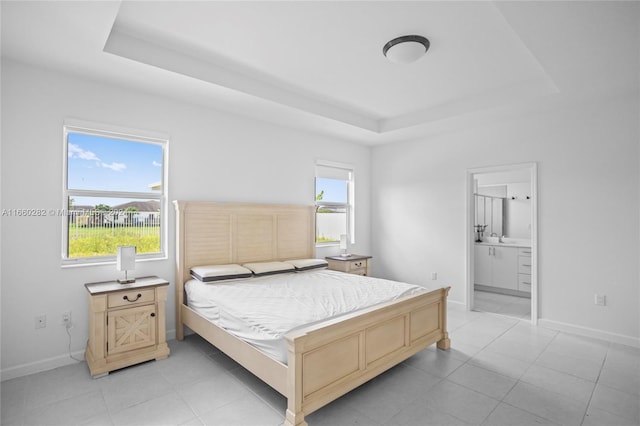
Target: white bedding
(262,310)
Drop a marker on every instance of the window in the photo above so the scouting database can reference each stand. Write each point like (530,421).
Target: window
(334,202)
(114,195)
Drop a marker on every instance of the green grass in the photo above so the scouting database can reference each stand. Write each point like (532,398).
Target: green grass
(99,241)
(323,239)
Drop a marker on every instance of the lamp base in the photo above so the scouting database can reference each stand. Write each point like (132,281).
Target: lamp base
(127,281)
(345,254)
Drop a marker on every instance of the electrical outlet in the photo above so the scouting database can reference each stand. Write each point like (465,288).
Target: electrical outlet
(66,318)
(434,275)
(41,321)
(600,300)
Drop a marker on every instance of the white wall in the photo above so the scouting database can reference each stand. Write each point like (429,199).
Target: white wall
(212,156)
(518,214)
(588,184)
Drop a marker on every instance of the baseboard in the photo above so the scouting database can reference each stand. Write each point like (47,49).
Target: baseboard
(456,303)
(171,334)
(42,365)
(590,332)
(51,363)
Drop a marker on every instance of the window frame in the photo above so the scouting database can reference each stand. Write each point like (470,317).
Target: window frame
(349,205)
(128,135)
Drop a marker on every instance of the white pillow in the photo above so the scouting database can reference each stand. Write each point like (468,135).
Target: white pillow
(306,264)
(269,268)
(219,272)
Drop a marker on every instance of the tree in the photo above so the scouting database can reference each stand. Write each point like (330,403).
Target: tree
(102,208)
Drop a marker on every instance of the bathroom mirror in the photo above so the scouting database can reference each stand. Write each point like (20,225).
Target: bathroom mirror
(490,213)
(505,209)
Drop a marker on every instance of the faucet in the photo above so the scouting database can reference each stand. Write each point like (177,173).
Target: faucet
(501,239)
(493,234)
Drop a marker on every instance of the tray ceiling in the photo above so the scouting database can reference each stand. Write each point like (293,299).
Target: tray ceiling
(312,65)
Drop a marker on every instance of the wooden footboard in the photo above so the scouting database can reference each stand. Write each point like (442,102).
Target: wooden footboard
(329,360)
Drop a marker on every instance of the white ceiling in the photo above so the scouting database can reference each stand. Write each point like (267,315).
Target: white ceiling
(319,66)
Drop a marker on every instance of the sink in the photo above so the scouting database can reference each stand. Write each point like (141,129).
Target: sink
(496,240)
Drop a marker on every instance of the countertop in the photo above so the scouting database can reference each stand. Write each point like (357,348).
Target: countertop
(518,244)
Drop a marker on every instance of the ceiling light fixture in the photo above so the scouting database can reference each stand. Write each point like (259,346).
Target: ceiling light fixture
(406,49)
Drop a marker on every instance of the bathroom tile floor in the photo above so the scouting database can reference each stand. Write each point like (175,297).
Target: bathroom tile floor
(499,371)
(503,304)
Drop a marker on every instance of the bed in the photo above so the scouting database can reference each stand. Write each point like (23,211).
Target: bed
(324,359)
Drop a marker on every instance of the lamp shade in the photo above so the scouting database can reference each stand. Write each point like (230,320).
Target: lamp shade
(343,242)
(406,49)
(126,258)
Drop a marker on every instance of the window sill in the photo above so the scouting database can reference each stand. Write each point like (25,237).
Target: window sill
(332,244)
(78,264)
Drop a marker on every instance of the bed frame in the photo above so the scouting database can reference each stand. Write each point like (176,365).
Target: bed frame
(325,360)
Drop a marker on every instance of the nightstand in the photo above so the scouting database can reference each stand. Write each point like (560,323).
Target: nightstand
(126,324)
(352,264)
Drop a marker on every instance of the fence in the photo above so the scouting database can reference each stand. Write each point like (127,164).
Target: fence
(88,223)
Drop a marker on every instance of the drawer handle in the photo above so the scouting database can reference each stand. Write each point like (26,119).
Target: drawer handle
(153,314)
(524,282)
(358,264)
(525,264)
(125,297)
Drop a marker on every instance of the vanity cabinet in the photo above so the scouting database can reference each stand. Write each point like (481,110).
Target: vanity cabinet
(524,270)
(496,266)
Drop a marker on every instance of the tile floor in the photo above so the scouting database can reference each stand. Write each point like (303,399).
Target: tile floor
(500,371)
(503,304)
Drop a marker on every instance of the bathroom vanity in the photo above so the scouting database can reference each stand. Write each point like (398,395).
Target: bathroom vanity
(503,267)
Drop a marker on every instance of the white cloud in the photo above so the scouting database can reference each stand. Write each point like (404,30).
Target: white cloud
(74,151)
(155,163)
(118,167)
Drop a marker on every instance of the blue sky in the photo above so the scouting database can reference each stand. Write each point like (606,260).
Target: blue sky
(334,189)
(105,164)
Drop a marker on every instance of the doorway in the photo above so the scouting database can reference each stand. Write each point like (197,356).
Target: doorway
(502,243)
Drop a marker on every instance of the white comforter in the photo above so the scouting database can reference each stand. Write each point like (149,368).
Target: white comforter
(262,310)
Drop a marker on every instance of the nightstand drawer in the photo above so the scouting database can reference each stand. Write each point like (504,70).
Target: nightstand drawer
(358,271)
(357,264)
(131,298)
(352,264)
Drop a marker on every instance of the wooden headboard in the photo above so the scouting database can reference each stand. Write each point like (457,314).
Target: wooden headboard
(209,233)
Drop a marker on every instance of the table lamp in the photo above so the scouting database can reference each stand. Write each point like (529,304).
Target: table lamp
(343,245)
(126,262)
